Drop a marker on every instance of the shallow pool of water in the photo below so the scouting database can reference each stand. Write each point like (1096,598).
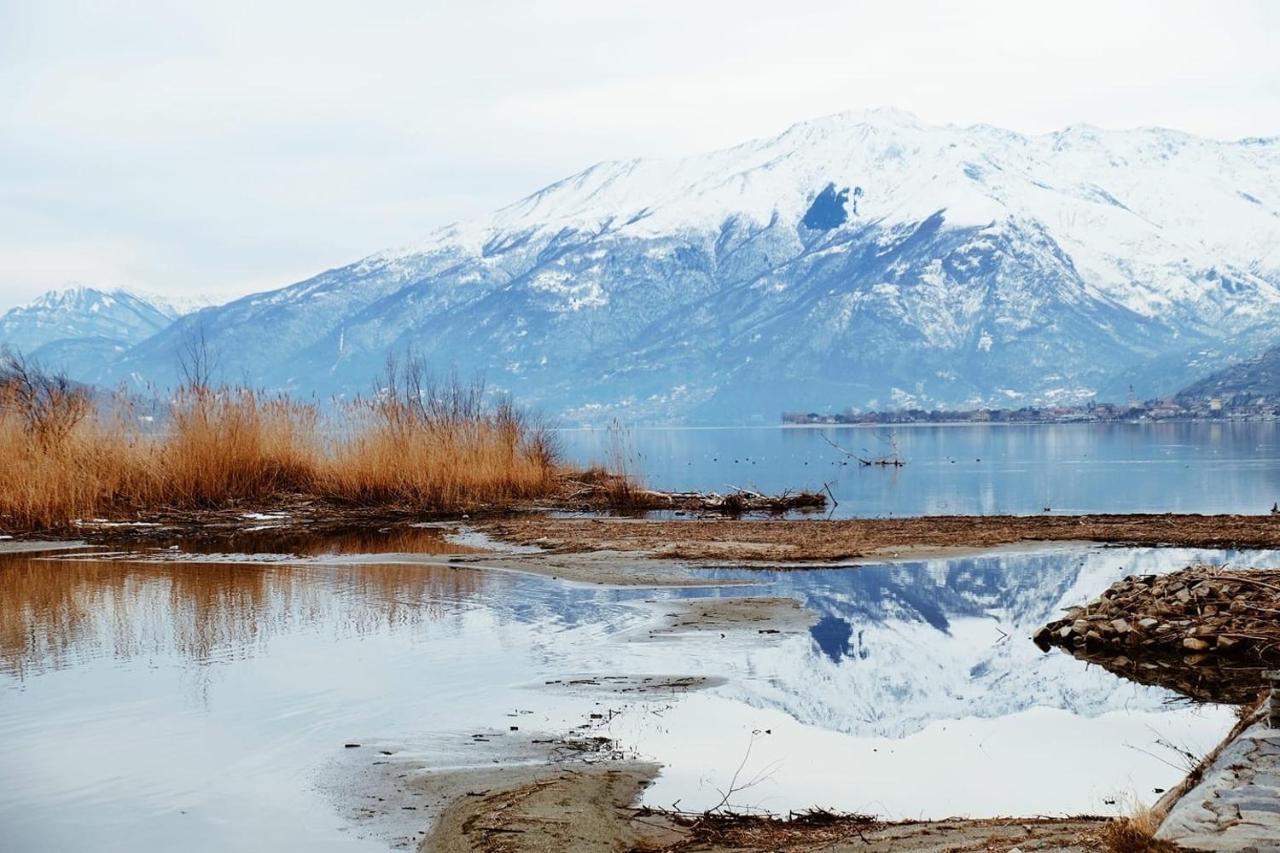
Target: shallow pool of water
(151,706)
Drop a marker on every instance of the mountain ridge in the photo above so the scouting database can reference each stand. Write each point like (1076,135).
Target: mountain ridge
(858,260)
(75,328)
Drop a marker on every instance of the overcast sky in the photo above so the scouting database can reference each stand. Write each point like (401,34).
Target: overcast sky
(222,148)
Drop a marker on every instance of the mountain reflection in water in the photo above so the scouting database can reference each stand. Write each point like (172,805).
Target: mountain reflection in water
(200,698)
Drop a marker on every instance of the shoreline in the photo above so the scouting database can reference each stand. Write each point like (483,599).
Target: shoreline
(706,537)
(595,802)
(842,541)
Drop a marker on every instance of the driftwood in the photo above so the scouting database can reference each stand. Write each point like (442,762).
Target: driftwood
(610,492)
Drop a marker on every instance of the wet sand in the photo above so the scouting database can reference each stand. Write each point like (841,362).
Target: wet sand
(590,810)
(503,793)
(762,615)
(797,541)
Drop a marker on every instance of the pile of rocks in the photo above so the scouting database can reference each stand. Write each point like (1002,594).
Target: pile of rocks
(1199,611)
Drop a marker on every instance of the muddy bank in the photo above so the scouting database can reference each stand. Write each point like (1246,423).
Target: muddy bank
(695,540)
(581,795)
(848,539)
(702,538)
(763,615)
(591,810)
(580,808)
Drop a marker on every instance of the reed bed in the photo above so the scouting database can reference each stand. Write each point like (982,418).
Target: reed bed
(415,444)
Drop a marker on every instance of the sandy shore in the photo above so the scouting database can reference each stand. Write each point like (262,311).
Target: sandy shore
(590,810)
(786,541)
(509,793)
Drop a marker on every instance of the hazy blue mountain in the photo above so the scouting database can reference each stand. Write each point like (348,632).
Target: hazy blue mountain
(1246,381)
(82,328)
(860,260)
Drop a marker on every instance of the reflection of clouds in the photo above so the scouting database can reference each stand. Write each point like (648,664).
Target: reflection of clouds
(54,612)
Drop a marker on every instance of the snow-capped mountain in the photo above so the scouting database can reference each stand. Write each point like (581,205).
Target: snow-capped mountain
(78,328)
(864,260)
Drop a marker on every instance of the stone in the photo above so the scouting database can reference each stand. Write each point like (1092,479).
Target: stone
(1148,623)
(1195,644)
(1120,626)
(1080,626)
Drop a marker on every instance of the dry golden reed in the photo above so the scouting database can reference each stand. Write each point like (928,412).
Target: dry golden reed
(1135,832)
(415,444)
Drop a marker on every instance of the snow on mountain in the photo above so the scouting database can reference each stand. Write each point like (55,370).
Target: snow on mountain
(856,260)
(76,329)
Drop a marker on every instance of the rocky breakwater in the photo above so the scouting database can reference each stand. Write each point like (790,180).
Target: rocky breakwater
(1205,631)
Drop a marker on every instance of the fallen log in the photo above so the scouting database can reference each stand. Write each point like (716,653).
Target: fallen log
(600,491)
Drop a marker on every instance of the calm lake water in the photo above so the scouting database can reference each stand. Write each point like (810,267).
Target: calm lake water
(963,469)
(195,704)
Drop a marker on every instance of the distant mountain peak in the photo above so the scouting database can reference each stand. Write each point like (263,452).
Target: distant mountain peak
(82,328)
(857,260)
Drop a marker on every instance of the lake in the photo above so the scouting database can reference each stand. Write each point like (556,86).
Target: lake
(1202,467)
(167,699)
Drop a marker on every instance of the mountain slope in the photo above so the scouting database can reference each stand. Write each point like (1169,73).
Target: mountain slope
(77,329)
(1252,379)
(856,260)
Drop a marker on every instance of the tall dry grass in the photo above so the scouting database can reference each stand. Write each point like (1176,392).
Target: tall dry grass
(1134,832)
(416,444)
(233,444)
(438,446)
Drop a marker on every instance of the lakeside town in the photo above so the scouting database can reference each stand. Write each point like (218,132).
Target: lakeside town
(1160,409)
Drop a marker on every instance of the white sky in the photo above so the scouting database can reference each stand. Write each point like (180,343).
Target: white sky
(221,148)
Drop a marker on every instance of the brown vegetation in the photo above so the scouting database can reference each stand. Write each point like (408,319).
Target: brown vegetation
(1135,833)
(425,446)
